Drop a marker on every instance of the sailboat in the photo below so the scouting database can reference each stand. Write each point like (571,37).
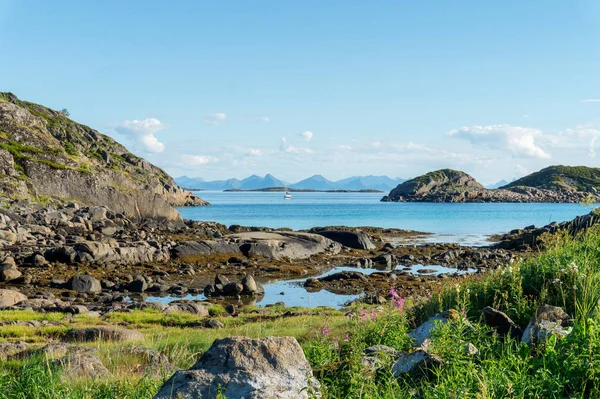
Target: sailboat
(287,195)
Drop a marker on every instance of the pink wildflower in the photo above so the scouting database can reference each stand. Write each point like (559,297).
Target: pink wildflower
(325,331)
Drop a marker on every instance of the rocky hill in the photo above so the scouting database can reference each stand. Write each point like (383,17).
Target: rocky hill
(561,178)
(572,184)
(46,157)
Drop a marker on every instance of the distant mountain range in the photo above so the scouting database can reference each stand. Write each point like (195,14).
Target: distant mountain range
(501,183)
(316,182)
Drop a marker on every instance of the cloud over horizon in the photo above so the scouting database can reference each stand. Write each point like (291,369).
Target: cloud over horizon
(516,139)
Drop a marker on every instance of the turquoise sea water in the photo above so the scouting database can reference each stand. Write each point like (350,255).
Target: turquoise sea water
(464,223)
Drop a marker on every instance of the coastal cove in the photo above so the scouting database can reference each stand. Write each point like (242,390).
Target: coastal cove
(463,223)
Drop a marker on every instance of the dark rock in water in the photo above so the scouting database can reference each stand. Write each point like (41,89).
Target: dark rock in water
(232,289)
(344,275)
(240,367)
(426,271)
(138,285)
(357,240)
(386,259)
(312,283)
(209,290)
(501,322)
(83,283)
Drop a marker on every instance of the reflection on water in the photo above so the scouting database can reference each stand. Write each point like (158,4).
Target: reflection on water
(293,293)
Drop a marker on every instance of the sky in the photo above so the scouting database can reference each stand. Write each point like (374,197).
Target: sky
(222,89)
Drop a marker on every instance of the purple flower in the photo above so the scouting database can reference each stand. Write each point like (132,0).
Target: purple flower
(347,337)
(373,316)
(399,302)
(363,314)
(325,331)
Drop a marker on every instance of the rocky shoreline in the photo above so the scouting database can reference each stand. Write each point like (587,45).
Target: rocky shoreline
(67,258)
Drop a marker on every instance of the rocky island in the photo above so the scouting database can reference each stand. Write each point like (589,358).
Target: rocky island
(566,184)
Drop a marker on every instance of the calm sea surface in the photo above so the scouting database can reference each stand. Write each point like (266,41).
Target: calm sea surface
(468,224)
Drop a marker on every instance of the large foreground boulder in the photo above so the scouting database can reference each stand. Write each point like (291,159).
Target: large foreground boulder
(245,368)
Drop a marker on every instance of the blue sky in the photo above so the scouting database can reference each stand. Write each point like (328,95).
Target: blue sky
(232,88)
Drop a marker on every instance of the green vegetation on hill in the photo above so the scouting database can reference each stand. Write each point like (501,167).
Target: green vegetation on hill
(567,274)
(559,177)
(58,157)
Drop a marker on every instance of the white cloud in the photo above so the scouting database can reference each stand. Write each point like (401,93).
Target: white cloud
(143,133)
(590,100)
(519,140)
(254,152)
(284,146)
(345,147)
(197,160)
(307,135)
(215,119)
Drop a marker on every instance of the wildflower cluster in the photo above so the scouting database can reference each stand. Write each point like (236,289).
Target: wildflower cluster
(396,299)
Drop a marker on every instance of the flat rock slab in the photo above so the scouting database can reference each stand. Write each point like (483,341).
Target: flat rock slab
(104,334)
(278,245)
(245,368)
(270,245)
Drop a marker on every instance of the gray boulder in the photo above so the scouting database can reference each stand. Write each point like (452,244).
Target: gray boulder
(548,321)
(357,240)
(417,364)
(423,332)
(84,283)
(245,368)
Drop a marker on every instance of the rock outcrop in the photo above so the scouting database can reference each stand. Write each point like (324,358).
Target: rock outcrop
(45,156)
(447,185)
(240,367)
(271,245)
